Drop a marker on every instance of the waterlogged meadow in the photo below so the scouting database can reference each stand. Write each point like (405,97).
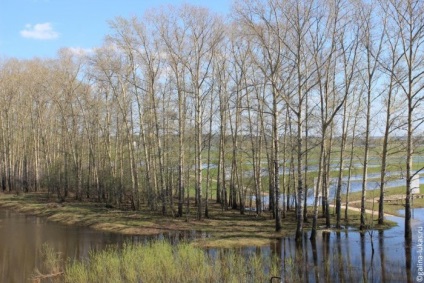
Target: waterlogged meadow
(336,256)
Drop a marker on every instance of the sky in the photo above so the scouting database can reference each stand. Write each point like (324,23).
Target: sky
(39,28)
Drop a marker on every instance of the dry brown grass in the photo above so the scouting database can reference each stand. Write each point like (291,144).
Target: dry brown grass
(223,228)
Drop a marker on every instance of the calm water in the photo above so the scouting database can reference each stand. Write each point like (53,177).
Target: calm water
(334,257)
(21,238)
(355,186)
(349,257)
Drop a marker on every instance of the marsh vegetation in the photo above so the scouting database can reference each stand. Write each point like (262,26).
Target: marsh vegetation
(69,253)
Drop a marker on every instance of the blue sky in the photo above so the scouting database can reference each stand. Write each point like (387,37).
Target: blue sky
(39,28)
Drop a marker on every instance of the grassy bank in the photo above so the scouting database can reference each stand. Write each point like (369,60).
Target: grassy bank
(223,228)
(395,200)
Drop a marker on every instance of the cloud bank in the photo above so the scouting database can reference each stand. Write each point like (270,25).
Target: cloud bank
(42,31)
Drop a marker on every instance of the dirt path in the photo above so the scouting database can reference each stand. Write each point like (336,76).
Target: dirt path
(366,210)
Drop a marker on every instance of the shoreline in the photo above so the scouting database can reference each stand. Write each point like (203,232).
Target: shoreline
(224,228)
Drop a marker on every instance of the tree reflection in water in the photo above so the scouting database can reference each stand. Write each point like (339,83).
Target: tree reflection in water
(408,259)
(342,256)
(334,256)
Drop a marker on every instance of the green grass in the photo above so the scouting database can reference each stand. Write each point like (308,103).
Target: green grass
(392,208)
(160,261)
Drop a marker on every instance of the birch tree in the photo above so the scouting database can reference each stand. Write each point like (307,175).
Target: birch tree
(263,22)
(205,32)
(371,43)
(407,20)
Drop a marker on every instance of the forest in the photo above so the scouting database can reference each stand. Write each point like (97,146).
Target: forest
(182,106)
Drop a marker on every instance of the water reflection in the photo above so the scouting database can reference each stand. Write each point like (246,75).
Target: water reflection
(382,256)
(408,260)
(375,256)
(355,186)
(22,236)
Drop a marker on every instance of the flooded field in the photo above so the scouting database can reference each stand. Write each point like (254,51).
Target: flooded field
(375,256)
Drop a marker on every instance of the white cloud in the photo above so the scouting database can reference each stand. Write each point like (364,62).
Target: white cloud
(42,31)
(80,51)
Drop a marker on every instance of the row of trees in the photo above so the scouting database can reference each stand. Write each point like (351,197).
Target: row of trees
(181,102)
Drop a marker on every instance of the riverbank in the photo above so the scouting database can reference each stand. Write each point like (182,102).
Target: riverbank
(394,200)
(223,228)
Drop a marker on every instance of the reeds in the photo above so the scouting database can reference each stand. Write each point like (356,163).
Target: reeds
(160,261)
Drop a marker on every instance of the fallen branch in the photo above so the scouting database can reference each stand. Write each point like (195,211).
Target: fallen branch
(39,276)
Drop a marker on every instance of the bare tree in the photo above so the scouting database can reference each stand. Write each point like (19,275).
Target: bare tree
(331,100)
(349,48)
(371,44)
(205,32)
(406,18)
(174,36)
(389,63)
